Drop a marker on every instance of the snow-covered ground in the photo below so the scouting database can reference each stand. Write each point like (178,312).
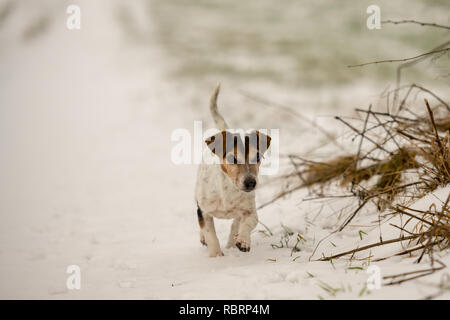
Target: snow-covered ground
(87,179)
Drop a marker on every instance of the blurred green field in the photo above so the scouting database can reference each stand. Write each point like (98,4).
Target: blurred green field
(291,43)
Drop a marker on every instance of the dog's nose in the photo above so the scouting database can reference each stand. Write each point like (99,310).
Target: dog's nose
(249,183)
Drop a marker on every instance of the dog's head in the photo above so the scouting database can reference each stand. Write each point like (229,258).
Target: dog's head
(240,160)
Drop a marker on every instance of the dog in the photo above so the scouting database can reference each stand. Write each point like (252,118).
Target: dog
(227,190)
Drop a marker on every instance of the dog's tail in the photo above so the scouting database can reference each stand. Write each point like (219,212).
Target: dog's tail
(218,119)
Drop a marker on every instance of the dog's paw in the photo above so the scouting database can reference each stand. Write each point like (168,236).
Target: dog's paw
(216,253)
(231,244)
(242,245)
(202,239)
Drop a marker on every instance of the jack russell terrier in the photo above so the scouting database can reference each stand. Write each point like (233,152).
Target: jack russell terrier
(227,190)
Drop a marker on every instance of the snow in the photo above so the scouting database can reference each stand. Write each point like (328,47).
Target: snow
(86,178)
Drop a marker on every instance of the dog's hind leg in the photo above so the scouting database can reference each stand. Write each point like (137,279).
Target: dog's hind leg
(201,223)
(202,238)
(233,233)
(248,223)
(209,231)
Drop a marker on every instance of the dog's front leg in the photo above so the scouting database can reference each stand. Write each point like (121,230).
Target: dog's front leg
(249,221)
(233,233)
(209,232)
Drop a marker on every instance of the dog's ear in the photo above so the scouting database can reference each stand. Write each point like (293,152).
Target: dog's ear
(263,141)
(217,144)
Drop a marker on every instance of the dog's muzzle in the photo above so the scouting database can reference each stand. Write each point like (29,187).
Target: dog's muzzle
(249,184)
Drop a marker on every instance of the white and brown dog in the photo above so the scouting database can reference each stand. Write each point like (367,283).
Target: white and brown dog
(227,190)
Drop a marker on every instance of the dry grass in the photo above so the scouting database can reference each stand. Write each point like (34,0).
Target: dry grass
(408,161)
(403,155)
(418,147)
(429,230)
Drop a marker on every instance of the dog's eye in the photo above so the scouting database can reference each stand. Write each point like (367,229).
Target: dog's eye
(231,159)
